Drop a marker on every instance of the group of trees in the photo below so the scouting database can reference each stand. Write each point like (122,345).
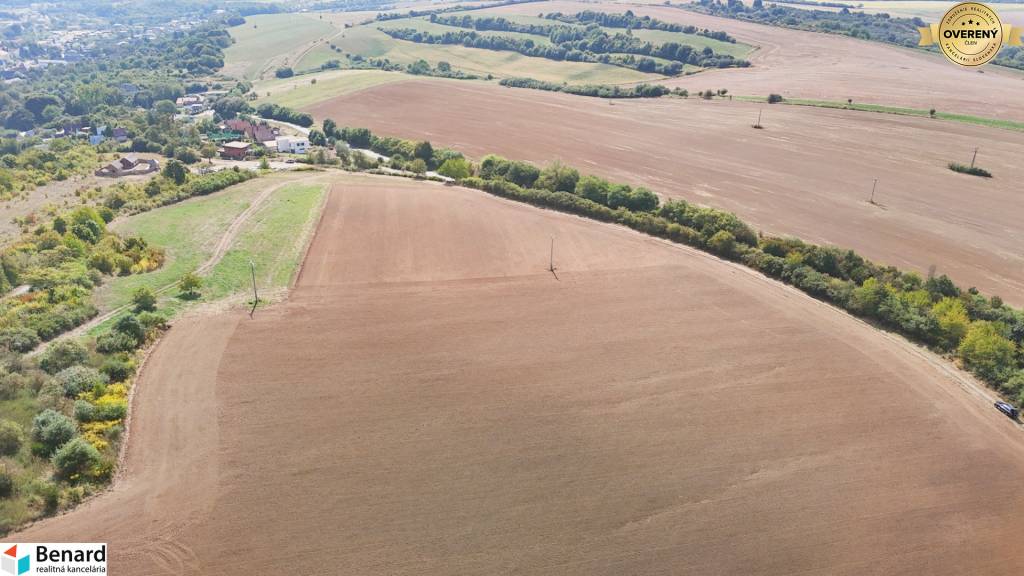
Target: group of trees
(24,169)
(414,156)
(880,27)
(174,184)
(596,90)
(284,114)
(631,21)
(442,70)
(571,43)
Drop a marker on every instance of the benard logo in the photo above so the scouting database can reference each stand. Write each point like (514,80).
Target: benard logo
(11,563)
(52,558)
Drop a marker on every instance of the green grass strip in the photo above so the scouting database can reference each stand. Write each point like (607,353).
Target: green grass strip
(965,118)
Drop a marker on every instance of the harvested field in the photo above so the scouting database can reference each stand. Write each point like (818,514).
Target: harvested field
(808,174)
(831,67)
(433,401)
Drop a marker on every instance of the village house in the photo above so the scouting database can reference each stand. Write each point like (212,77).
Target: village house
(261,132)
(128,166)
(292,145)
(235,150)
(191,104)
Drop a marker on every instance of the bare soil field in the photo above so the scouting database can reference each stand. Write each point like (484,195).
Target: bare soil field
(432,400)
(808,174)
(831,67)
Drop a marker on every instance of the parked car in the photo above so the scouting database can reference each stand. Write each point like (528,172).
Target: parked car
(1007,409)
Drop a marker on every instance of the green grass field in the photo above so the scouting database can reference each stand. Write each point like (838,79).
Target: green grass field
(370,42)
(299,91)
(965,118)
(273,240)
(189,232)
(738,50)
(267,41)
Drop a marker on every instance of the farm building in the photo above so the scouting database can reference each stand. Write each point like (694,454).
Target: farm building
(235,150)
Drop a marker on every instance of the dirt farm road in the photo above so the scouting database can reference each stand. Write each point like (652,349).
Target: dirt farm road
(431,400)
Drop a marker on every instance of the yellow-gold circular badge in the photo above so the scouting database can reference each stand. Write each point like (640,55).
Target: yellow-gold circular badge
(970,34)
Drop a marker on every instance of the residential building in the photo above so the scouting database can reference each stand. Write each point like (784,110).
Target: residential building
(235,150)
(292,145)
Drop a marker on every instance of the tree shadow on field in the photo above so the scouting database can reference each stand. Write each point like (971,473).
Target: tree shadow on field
(189,296)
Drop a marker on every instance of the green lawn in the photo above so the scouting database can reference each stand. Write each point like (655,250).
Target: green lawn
(189,232)
(267,41)
(299,91)
(273,240)
(738,49)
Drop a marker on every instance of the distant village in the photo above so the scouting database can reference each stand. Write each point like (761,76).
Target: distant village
(64,43)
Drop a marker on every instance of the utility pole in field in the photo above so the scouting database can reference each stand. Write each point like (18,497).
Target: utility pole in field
(255,295)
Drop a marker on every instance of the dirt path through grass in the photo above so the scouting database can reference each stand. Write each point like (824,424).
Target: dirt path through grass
(222,247)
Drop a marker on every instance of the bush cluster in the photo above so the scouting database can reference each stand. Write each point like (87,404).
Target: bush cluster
(594,90)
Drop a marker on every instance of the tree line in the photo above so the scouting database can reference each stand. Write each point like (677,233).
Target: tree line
(592,39)
(631,21)
(595,90)
(579,51)
(880,27)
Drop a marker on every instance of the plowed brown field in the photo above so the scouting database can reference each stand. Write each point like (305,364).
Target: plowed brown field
(433,401)
(808,174)
(822,66)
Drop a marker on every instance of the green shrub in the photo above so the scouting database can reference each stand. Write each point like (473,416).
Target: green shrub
(63,354)
(19,339)
(11,437)
(10,385)
(117,369)
(51,429)
(972,170)
(87,412)
(953,321)
(78,379)
(130,326)
(152,321)
(6,484)
(115,341)
(455,168)
(190,283)
(593,188)
(144,299)
(1014,385)
(986,352)
(723,243)
(50,495)
(557,177)
(76,458)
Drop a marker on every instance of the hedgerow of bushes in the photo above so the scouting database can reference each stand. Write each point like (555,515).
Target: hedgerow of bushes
(594,90)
